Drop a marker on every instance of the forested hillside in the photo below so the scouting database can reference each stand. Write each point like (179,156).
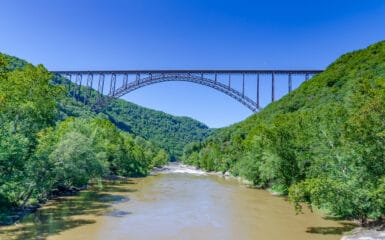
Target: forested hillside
(40,152)
(165,131)
(323,144)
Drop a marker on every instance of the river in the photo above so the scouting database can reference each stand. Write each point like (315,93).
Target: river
(176,204)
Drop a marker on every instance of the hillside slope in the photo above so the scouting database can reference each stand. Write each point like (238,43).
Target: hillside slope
(324,143)
(168,132)
(164,130)
(42,154)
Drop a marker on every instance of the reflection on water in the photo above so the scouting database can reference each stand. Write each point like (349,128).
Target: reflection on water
(69,212)
(173,206)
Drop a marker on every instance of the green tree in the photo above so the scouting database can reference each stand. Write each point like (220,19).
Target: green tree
(75,161)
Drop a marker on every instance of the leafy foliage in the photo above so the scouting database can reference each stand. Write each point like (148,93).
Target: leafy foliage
(42,149)
(165,131)
(168,132)
(323,144)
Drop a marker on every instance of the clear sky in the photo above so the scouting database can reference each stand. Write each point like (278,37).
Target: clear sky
(196,34)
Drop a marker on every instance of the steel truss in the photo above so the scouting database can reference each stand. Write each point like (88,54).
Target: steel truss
(148,77)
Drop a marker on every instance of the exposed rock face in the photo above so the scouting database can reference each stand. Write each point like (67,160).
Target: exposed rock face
(364,234)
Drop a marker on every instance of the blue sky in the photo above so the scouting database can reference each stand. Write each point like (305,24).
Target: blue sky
(196,34)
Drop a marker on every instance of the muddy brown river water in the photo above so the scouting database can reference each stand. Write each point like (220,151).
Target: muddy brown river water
(177,204)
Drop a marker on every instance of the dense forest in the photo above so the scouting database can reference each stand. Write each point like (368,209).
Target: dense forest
(43,149)
(163,130)
(166,131)
(323,144)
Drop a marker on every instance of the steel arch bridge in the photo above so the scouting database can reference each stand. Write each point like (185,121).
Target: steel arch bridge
(119,83)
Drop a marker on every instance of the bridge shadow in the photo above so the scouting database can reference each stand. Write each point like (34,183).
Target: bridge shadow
(69,212)
(345,227)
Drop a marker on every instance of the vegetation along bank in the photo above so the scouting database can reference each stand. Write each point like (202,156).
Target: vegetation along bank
(323,144)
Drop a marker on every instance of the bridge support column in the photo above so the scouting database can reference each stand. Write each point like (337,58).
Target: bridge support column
(89,85)
(257,91)
(69,76)
(229,84)
(75,87)
(272,87)
(125,80)
(243,85)
(101,86)
(79,78)
(290,83)
(112,84)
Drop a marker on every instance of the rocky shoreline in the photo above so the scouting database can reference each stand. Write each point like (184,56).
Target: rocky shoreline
(365,234)
(183,168)
(375,230)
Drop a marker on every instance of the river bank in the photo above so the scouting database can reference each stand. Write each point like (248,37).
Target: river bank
(374,232)
(186,197)
(177,203)
(14,214)
(10,216)
(365,234)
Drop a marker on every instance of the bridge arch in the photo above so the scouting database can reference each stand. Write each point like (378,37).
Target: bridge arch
(149,77)
(186,77)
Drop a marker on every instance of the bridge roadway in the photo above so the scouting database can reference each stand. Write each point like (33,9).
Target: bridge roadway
(143,78)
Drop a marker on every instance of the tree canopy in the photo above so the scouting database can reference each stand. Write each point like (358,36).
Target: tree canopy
(322,144)
(42,150)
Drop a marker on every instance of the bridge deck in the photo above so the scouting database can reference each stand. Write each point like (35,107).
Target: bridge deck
(120,82)
(204,71)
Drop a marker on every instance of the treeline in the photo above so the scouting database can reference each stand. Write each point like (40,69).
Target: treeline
(323,144)
(40,152)
(163,130)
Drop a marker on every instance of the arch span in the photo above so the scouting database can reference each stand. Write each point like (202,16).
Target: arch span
(108,81)
(186,77)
